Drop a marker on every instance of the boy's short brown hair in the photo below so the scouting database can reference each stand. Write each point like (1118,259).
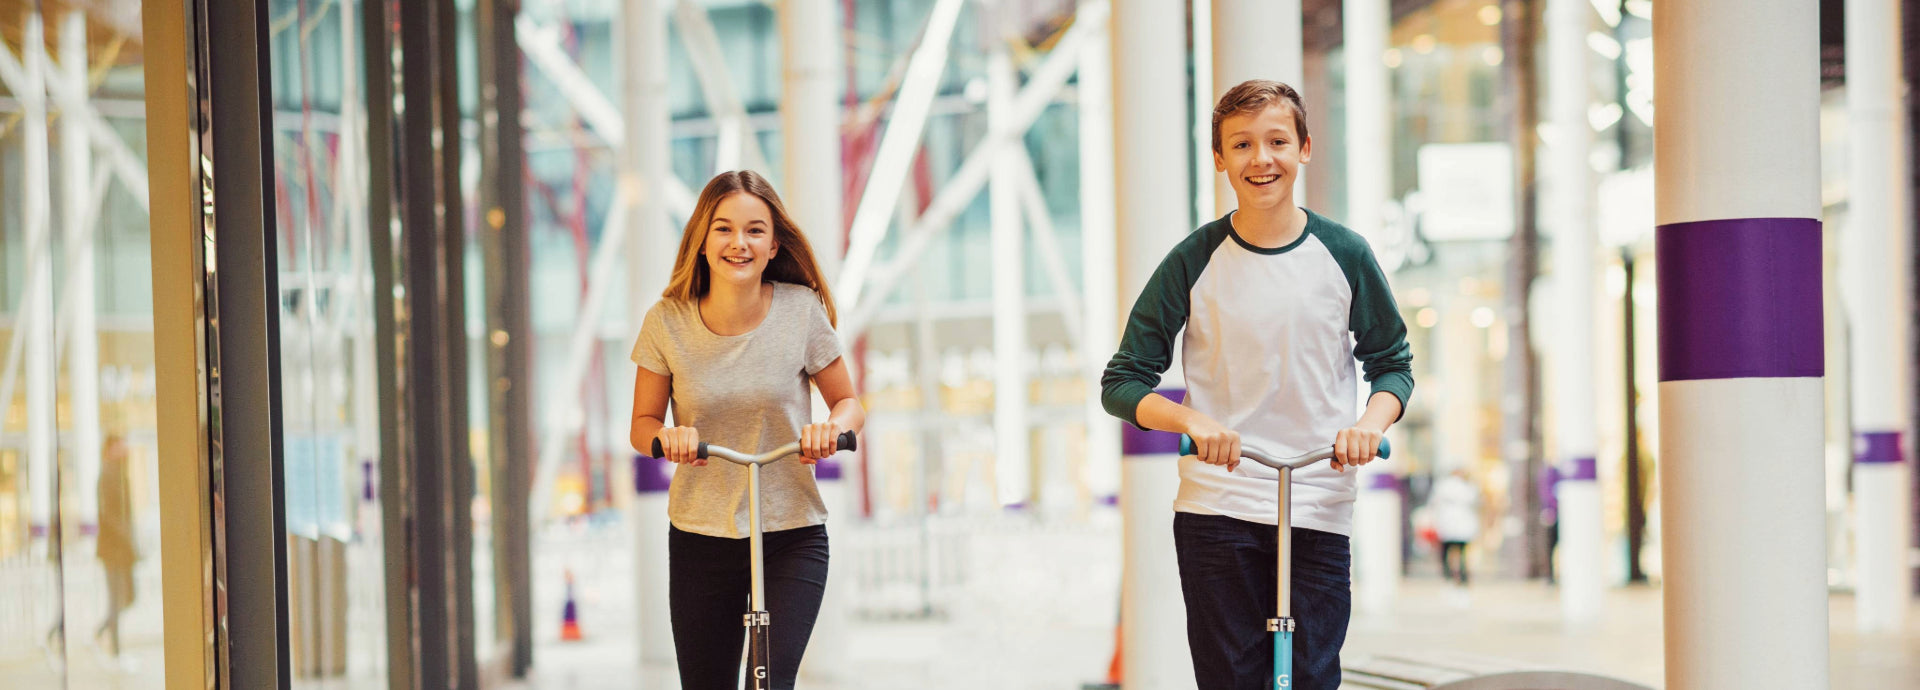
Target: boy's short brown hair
(1254,95)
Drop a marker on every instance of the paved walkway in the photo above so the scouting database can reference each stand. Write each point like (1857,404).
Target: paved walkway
(1035,610)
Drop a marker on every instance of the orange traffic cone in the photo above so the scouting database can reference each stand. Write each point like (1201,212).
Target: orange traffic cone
(570,615)
(1112,681)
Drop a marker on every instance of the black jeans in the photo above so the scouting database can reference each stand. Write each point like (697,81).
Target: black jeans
(1450,552)
(1227,574)
(709,588)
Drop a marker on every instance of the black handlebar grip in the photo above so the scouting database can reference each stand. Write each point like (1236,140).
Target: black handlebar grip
(659,452)
(847,441)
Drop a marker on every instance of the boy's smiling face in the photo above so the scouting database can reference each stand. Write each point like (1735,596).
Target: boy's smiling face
(1261,154)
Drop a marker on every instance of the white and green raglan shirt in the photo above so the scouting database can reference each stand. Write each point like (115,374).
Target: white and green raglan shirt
(1270,340)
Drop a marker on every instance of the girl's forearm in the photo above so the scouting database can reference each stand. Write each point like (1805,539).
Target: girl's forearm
(642,433)
(848,414)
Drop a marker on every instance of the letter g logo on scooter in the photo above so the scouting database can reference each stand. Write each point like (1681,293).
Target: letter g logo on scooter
(1280,681)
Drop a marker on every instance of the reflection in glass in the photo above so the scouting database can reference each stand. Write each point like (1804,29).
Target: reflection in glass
(79,518)
(336,598)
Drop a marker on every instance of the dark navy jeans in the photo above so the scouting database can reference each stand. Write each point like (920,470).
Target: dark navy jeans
(1227,574)
(708,583)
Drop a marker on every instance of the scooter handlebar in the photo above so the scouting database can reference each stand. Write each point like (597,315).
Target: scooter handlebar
(847,441)
(1295,462)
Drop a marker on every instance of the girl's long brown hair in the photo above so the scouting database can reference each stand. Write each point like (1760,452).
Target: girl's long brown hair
(793,263)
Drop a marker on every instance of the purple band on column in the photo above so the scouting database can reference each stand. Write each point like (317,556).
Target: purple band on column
(1110,500)
(1740,298)
(1383,482)
(366,482)
(650,474)
(37,530)
(1135,442)
(827,470)
(1582,470)
(1878,447)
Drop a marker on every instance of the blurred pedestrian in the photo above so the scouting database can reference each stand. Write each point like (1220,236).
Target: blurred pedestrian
(1456,517)
(114,546)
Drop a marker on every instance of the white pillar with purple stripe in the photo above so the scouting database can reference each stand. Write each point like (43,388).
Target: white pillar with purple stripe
(1150,116)
(651,477)
(1153,616)
(1741,354)
(1875,285)
(1377,537)
(1577,497)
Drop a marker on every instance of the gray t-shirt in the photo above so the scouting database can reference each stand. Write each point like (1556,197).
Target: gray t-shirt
(747,392)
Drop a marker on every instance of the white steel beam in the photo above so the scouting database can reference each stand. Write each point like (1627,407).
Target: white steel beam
(716,83)
(37,303)
(564,416)
(959,191)
(542,46)
(83,354)
(897,147)
(1052,255)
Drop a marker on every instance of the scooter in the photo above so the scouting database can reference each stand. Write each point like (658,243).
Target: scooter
(1281,625)
(759,623)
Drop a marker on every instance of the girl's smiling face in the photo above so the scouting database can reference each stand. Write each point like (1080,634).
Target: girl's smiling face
(739,240)
(1261,154)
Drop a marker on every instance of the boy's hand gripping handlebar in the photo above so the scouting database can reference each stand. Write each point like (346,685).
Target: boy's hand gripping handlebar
(847,441)
(1256,455)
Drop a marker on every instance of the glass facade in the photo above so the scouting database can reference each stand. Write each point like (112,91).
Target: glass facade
(79,502)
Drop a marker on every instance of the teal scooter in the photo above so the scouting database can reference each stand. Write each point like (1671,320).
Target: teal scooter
(1281,625)
(758,621)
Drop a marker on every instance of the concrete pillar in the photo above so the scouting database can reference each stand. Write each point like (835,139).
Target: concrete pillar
(1253,39)
(1738,242)
(1150,157)
(1098,254)
(1570,215)
(1369,145)
(1877,287)
(643,160)
(1012,478)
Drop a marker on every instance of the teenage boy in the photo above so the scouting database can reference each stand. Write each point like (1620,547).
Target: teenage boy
(1277,302)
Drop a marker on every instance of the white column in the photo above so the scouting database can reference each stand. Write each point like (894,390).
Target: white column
(643,165)
(1010,444)
(1254,39)
(1741,361)
(1570,214)
(1098,253)
(1876,286)
(810,46)
(1149,113)
(76,214)
(37,304)
(1368,151)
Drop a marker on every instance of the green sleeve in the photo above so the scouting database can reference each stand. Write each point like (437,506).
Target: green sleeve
(1379,334)
(1146,345)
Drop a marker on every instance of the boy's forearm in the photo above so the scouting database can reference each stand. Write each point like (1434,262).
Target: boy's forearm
(1382,409)
(1158,413)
